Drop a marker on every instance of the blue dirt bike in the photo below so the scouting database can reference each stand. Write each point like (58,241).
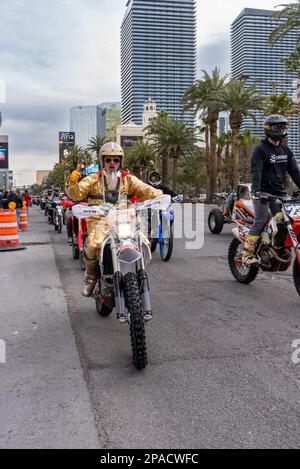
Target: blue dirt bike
(165,232)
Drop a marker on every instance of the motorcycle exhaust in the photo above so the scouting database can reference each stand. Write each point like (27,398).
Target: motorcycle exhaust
(282,261)
(145,291)
(119,298)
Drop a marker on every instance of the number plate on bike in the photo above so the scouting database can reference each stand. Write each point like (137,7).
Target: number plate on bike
(292,209)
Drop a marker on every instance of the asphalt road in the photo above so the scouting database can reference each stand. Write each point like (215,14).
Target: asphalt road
(220,371)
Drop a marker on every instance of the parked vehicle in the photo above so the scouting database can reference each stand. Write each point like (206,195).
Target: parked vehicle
(236,205)
(274,249)
(124,257)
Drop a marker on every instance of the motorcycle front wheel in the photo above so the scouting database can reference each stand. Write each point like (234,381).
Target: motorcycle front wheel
(137,324)
(60,223)
(241,273)
(166,246)
(82,252)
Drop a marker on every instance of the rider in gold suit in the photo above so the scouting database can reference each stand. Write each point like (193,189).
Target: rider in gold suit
(113,186)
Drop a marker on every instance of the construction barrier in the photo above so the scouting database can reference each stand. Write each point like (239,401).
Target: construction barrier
(23,219)
(9,237)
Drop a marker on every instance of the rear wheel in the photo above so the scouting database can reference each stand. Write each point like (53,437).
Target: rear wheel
(296,275)
(137,325)
(216,221)
(153,245)
(241,273)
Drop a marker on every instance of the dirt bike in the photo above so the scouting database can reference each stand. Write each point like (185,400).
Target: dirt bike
(234,206)
(274,249)
(57,216)
(123,260)
(164,231)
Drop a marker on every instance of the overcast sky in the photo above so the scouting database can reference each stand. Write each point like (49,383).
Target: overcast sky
(55,54)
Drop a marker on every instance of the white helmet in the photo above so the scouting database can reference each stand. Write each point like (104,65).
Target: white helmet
(112,149)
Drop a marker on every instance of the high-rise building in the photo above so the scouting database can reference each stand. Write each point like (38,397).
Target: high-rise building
(255,60)
(109,120)
(85,122)
(158,56)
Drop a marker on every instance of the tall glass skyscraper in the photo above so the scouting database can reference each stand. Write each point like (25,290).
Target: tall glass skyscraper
(85,122)
(158,56)
(253,59)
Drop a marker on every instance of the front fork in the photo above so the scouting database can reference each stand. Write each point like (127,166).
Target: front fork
(293,236)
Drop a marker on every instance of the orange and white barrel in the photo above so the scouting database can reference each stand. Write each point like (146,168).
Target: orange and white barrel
(23,219)
(9,237)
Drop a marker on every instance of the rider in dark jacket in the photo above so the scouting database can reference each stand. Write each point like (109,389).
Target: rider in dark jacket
(271,161)
(156,182)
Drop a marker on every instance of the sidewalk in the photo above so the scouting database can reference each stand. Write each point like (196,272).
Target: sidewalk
(44,401)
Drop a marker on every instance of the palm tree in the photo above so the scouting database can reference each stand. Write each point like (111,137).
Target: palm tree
(202,96)
(228,162)
(246,142)
(95,145)
(289,20)
(140,157)
(204,129)
(157,131)
(77,155)
(280,104)
(239,100)
(221,141)
(181,141)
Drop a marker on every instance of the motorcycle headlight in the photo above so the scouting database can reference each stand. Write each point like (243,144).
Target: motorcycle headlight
(124,230)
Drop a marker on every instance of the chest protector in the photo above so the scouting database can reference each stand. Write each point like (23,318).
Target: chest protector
(109,196)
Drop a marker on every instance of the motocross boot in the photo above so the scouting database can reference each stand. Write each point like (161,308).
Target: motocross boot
(91,277)
(248,255)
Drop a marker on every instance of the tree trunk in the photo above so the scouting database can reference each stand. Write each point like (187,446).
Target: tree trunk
(246,172)
(165,169)
(175,170)
(207,156)
(213,159)
(235,156)
(228,168)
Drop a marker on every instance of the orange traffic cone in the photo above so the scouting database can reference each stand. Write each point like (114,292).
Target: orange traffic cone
(9,237)
(23,219)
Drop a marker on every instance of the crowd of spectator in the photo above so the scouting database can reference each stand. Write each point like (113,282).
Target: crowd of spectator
(14,196)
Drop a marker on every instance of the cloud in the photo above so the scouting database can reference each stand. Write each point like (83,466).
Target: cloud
(215,54)
(54,55)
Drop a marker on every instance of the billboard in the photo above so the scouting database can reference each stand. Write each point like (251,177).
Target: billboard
(3,155)
(128,141)
(66,142)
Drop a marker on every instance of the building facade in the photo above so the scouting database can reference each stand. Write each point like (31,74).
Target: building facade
(110,118)
(128,134)
(85,122)
(253,59)
(41,175)
(158,56)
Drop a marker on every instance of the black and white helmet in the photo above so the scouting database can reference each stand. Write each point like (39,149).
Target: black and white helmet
(155,178)
(276,127)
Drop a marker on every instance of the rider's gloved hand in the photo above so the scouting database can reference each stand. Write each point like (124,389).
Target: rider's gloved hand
(76,175)
(178,199)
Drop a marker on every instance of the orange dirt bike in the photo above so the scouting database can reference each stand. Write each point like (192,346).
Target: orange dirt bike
(124,257)
(234,206)
(274,249)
